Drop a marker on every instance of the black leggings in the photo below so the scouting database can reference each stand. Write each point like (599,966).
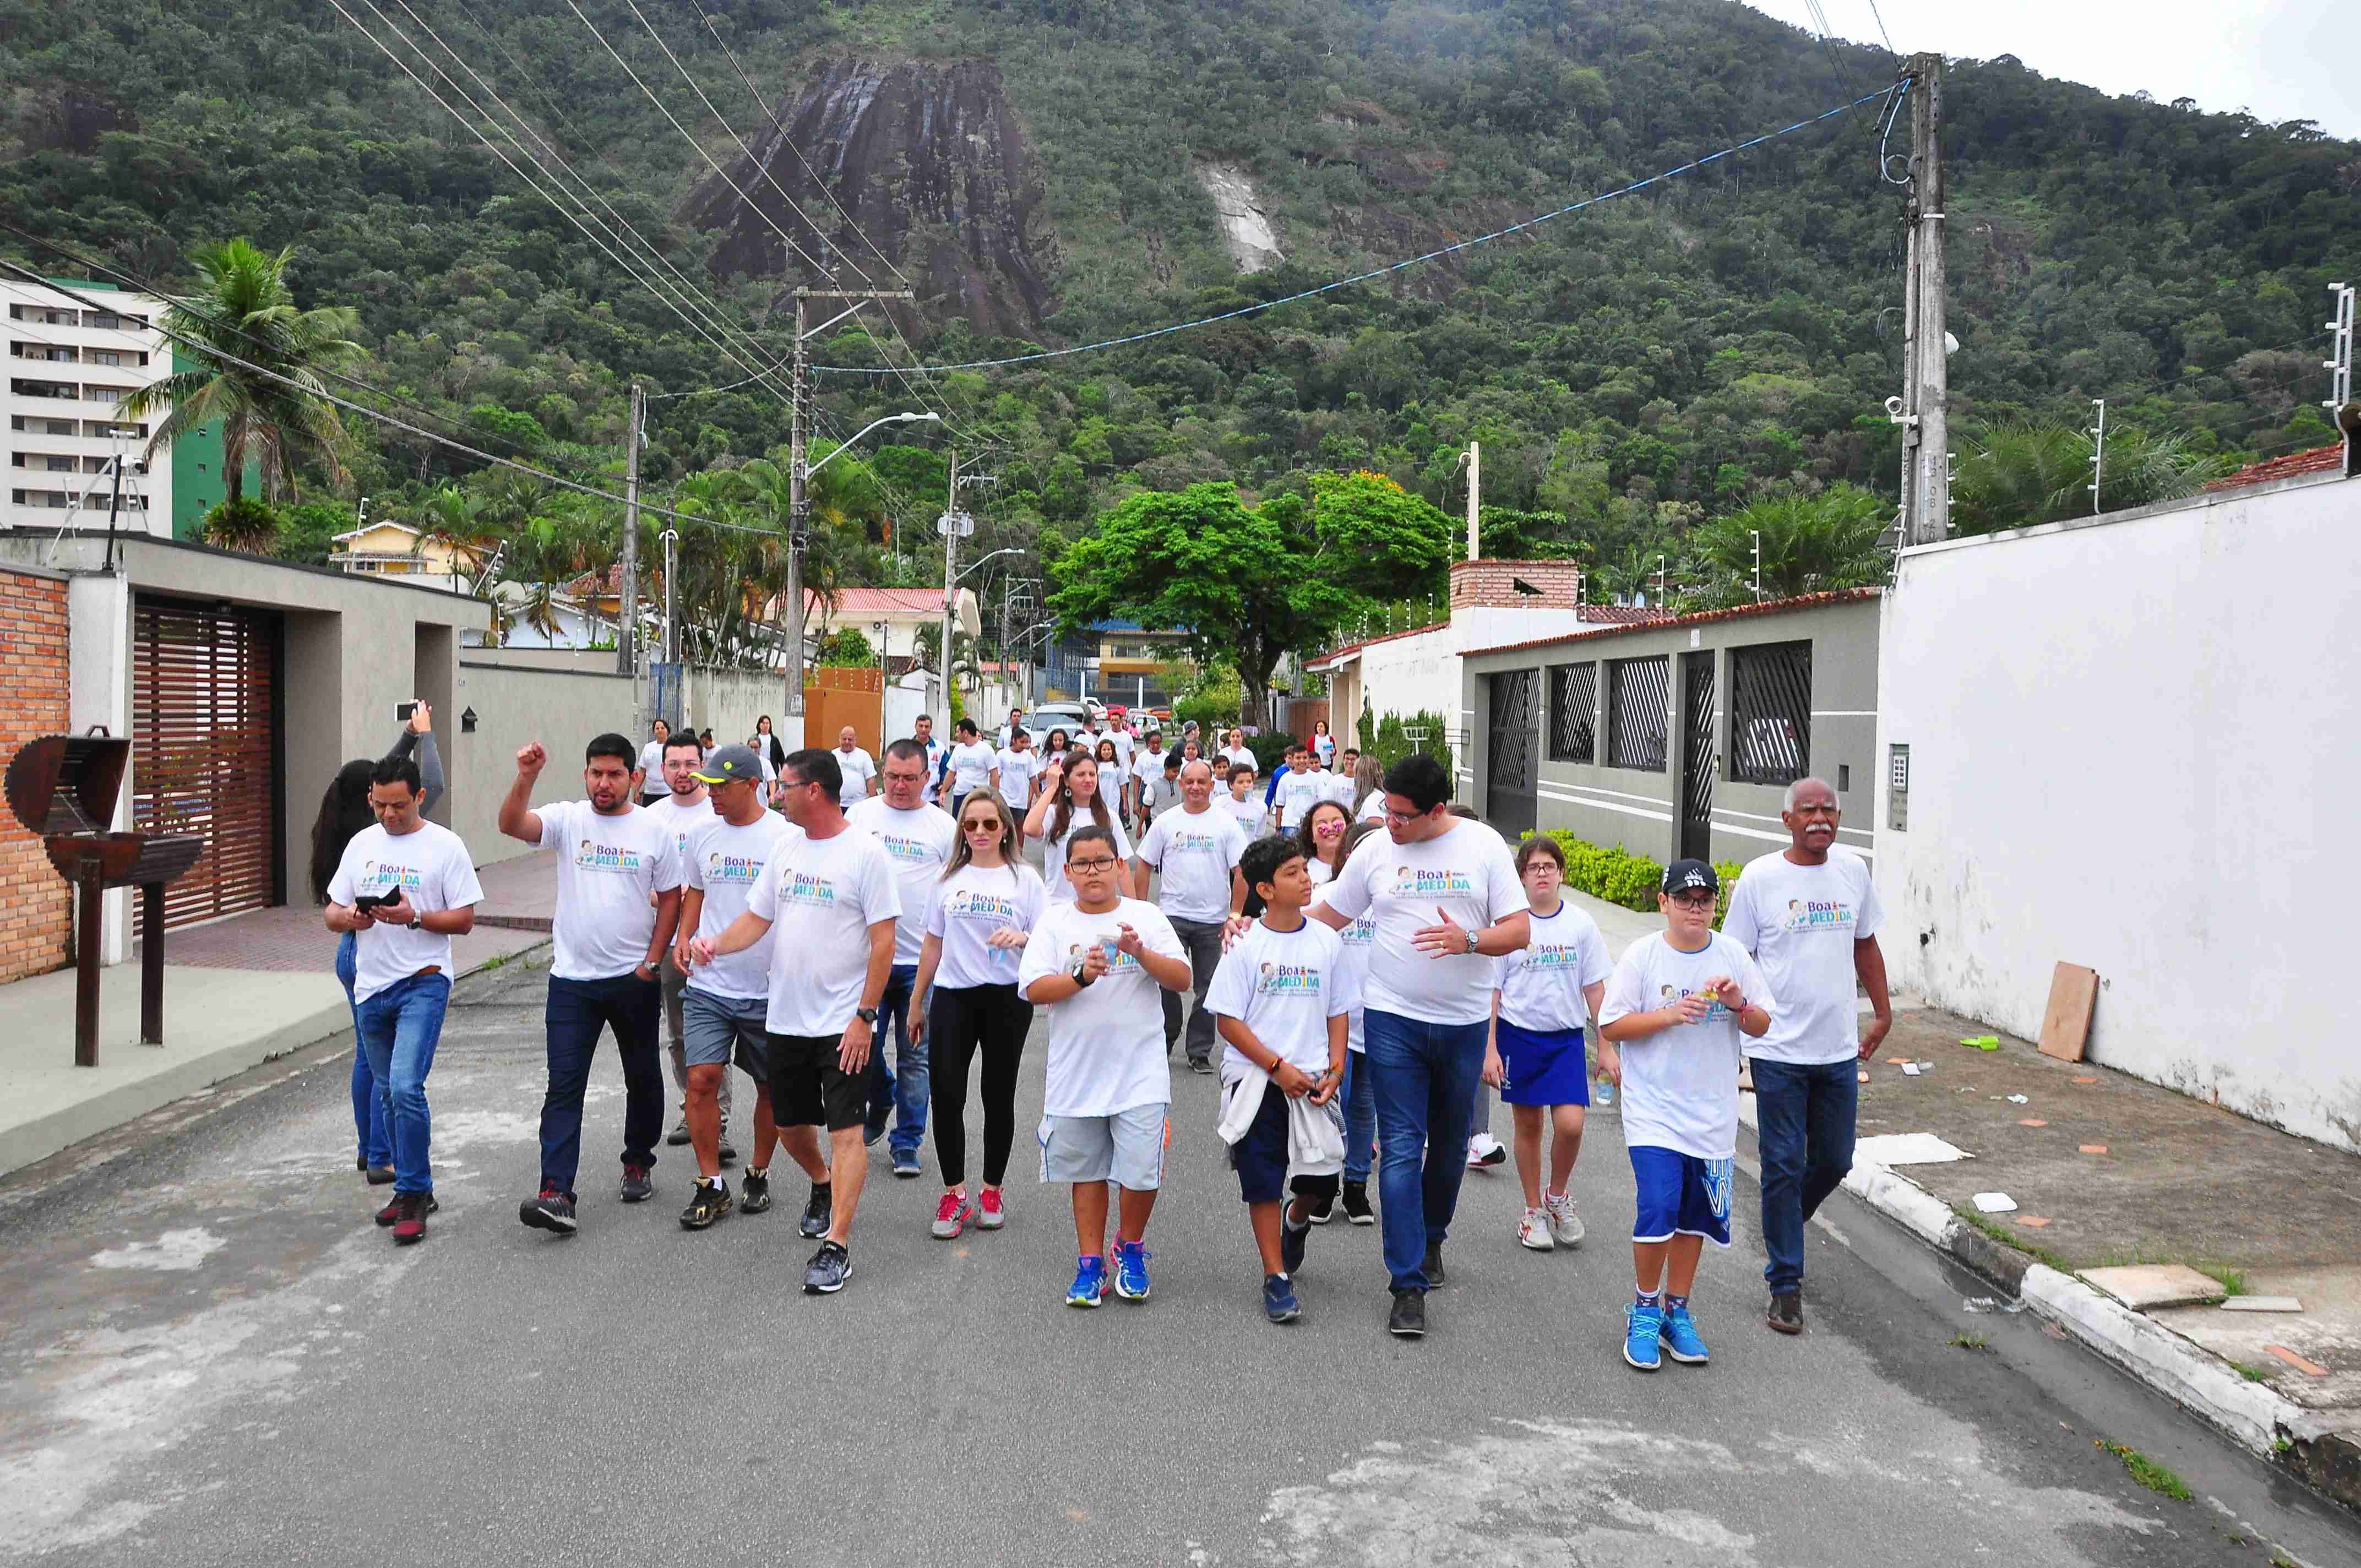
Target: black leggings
(959,1021)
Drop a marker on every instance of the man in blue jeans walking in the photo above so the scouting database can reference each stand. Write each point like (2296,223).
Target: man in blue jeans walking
(618,903)
(1446,901)
(405,887)
(919,839)
(1810,915)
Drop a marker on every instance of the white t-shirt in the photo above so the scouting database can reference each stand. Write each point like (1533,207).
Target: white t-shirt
(968,907)
(1542,984)
(1236,755)
(1106,1041)
(724,864)
(1123,745)
(608,870)
(1250,812)
(1355,940)
(1324,748)
(683,821)
(1195,851)
(1465,872)
(652,767)
(1016,771)
(1298,793)
(1800,923)
(1372,809)
(1680,1085)
(1285,986)
(434,870)
(858,768)
(1147,768)
(1053,850)
(821,895)
(971,765)
(1319,870)
(1340,789)
(920,842)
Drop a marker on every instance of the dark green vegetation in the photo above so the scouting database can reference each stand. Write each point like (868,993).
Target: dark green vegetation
(1635,372)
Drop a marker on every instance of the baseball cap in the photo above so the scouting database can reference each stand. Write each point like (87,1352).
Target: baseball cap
(1682,875)
(729,764)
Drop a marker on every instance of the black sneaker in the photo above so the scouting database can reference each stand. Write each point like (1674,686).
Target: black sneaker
(754,1191)
(1202,1066)
(679,1133)
(381,1175)
(1432,1267)
(831,1266)
(552,1210)
(637,1188)
(1321,1210)
(1357,1203)
(1786,1311)
(729,1155)
(820,1213)
(710,1202)
(1292,1238)
(1408,1318)
(391,1213)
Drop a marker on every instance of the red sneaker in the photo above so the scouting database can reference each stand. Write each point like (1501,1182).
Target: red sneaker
(951,1215)
(411,1225)
(989,1215)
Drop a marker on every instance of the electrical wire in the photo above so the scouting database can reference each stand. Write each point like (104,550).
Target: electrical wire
(1885,163)
(1879,18)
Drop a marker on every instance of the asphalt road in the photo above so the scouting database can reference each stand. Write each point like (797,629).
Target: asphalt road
(212,1356)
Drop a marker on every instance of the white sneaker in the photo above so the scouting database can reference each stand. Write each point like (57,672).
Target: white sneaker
(1534,1231)
(1565,1225)
(1484,1150)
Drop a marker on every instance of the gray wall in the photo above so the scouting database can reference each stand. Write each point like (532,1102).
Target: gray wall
(560,708)
(1640,810)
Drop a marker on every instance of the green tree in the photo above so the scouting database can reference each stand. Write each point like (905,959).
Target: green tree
(2033,472)
(1810,545)
(243,523)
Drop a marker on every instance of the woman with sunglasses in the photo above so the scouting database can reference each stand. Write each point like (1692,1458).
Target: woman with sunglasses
(1320,836)
(1070,797)
(966,1003)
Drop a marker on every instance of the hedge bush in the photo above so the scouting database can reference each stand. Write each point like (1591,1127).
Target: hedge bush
(1618,876)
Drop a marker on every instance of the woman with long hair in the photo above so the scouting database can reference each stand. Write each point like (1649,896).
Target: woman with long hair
(965,1003)
(1360,1094)
(769,749)
(1320,836)
(345,811)
(1070,797)
(1323,745)
(1368,790)
(652,787)
(1055,748)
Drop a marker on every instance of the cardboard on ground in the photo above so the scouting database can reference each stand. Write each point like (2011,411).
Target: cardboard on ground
(2145,1285)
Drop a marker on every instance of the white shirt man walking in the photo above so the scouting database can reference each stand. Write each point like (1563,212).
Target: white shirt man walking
(684,810)
(1197,849)
(919,839)
(858,769)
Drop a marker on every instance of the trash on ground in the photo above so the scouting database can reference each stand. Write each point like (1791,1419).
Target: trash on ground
(2094,1148)
(2148,1287)
(2066,1022)
(2018,1099)
(2309,1368)
(1910,1068)
(2262,1304)
(1995,1202)
(1926,1067)
(2055,1331)
(2031,1121)
(1865,1078)
(1906,1148)
(2086,1080)
(1982,1042)
(1981,1304)
(2032,1222)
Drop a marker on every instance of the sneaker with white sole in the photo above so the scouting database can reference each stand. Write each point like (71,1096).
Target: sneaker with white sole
(1484,1151)
(951,1215)
(1565,1225)
(991,1212)
(1534,1231)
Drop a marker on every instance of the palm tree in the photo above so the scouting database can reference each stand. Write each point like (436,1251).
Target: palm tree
(2033,472)
(248,315)
(1809,544)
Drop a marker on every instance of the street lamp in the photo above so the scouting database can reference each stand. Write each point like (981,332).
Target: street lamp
(812,468)
(798,523)
(1012,550)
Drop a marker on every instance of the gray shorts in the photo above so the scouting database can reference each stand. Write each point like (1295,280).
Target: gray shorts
(1127,1148)
(719,1028)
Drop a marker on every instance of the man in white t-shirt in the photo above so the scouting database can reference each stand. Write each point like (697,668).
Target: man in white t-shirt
(1447,901)
(1019,765)
(1008,730)
(618,906)
(971,765)
(1146,768)
(1810,915)
(683,808)
(407,886)
(919,839)
(1196,847)
(824,913)
(856,767)
(922,731)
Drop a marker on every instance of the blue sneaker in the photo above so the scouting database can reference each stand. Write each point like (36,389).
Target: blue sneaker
(1680,1337)
(1131,1271)
(1279,1302)
(1642,1330)
(1292,1240)
(1090,1283)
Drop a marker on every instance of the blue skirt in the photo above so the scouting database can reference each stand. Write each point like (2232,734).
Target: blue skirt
(1545,1067)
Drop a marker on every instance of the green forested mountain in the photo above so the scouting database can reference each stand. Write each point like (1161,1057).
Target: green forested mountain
(1048,173)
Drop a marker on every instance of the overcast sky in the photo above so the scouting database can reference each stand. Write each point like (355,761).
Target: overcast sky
(2279,59)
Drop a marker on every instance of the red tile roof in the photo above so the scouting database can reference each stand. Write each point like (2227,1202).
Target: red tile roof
(2290,466)
(1701,617)
(1621,614)
(848,600)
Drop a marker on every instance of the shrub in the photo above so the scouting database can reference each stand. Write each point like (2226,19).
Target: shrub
(244,525)
(1618,876)
(1389,745)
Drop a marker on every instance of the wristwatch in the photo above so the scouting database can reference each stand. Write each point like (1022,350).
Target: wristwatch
(417,922)
(1077,969)
(1474,936)
(867,1016)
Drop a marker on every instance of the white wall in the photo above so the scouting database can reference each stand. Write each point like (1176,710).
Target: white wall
(1408,673)
(98,691)
(2133,745)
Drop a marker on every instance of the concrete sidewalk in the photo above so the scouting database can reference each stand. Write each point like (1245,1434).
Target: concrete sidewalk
(236,993)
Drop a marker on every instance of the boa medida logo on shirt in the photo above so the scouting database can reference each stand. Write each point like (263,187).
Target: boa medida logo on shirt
(1553,955)
(742,868)
(1817,915)
(385,873)
(1425,883)
(595,857)
(803,887)
(1713,1012)
(968,904)
(1288,979)
(1188,841)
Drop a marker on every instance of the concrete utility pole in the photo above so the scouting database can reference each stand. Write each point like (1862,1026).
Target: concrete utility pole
(627,619)
(950,525)
(1473,459)
(1925,435)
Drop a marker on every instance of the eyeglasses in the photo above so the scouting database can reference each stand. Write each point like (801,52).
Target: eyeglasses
(1092,867)
(1406,817)
(1694,900)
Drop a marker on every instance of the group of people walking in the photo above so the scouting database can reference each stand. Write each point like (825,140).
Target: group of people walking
(861,941)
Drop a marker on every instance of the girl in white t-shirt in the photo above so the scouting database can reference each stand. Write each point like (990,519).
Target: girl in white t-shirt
(1321,836)
(1071,795)
(1323,745)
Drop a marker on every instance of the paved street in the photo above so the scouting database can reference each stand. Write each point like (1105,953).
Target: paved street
(211,1356)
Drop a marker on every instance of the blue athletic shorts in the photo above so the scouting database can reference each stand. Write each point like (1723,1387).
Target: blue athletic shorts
(1679,1194)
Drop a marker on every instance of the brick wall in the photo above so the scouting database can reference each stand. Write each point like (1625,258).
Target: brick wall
(34,904)
(1494,583)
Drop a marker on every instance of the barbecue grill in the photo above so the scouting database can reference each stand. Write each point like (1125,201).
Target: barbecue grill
(64,788)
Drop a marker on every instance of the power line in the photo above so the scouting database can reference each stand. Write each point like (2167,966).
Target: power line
(1406,263)
(1879,18)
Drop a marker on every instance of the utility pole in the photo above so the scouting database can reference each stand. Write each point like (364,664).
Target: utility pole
(1925,403)
(950,531)
(2098,453)
(1473,459)
(627,623)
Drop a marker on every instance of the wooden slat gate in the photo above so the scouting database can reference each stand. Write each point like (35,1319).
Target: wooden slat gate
(203,696)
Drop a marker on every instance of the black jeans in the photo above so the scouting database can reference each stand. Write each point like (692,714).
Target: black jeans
(961,1023)
(1202,941)
(578,1012)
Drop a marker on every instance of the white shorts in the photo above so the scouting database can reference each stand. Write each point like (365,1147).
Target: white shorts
(1127,1148)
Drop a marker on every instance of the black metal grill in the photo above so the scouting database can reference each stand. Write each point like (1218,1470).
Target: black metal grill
(1640,712)
(1511,772)
(1573,718)
(1771,712)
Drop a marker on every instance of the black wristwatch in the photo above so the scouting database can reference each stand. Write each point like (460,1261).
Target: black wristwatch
(867,1016)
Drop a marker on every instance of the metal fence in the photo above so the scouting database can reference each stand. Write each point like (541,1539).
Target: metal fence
(1771,713)
(1574,719)
(1639,712)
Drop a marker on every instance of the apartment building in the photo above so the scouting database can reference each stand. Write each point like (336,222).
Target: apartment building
(69,367)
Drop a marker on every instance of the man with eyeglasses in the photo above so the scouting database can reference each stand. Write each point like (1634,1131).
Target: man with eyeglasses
(1810,915)
(919,839)
(1446,900)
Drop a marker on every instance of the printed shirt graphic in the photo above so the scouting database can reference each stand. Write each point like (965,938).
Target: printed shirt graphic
(1542,984)
(1800,923)
(1298,793)
(726,865)
(965,910)
(1285,986)
(432,870)
(1195,852)
(1249,814)
(607,869)
(919,843)
(1356,938)
(686,821)
(1107,1042)
(971,767)
(1680,1085)
(1467,874)
(821,895)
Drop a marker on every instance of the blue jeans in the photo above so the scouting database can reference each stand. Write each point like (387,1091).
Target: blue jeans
(368,1106)
(399,1027)
(1804,1127)
(1360,1115)
(901,1088)
(1425,1078)
(578,1012)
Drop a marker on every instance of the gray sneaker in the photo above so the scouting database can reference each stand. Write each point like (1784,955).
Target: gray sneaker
(831,1266)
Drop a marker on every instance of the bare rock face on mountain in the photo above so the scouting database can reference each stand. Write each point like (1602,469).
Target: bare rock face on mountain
(926,158)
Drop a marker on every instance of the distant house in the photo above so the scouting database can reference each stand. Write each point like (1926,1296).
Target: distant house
(389,549)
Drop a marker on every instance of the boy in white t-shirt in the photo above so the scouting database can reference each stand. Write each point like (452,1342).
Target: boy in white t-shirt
(1243,802)
(1090,964)
(1675,1009)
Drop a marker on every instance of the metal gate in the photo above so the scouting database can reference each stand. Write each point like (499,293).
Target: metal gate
(1697,758)
(203,749)
(1511,773)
